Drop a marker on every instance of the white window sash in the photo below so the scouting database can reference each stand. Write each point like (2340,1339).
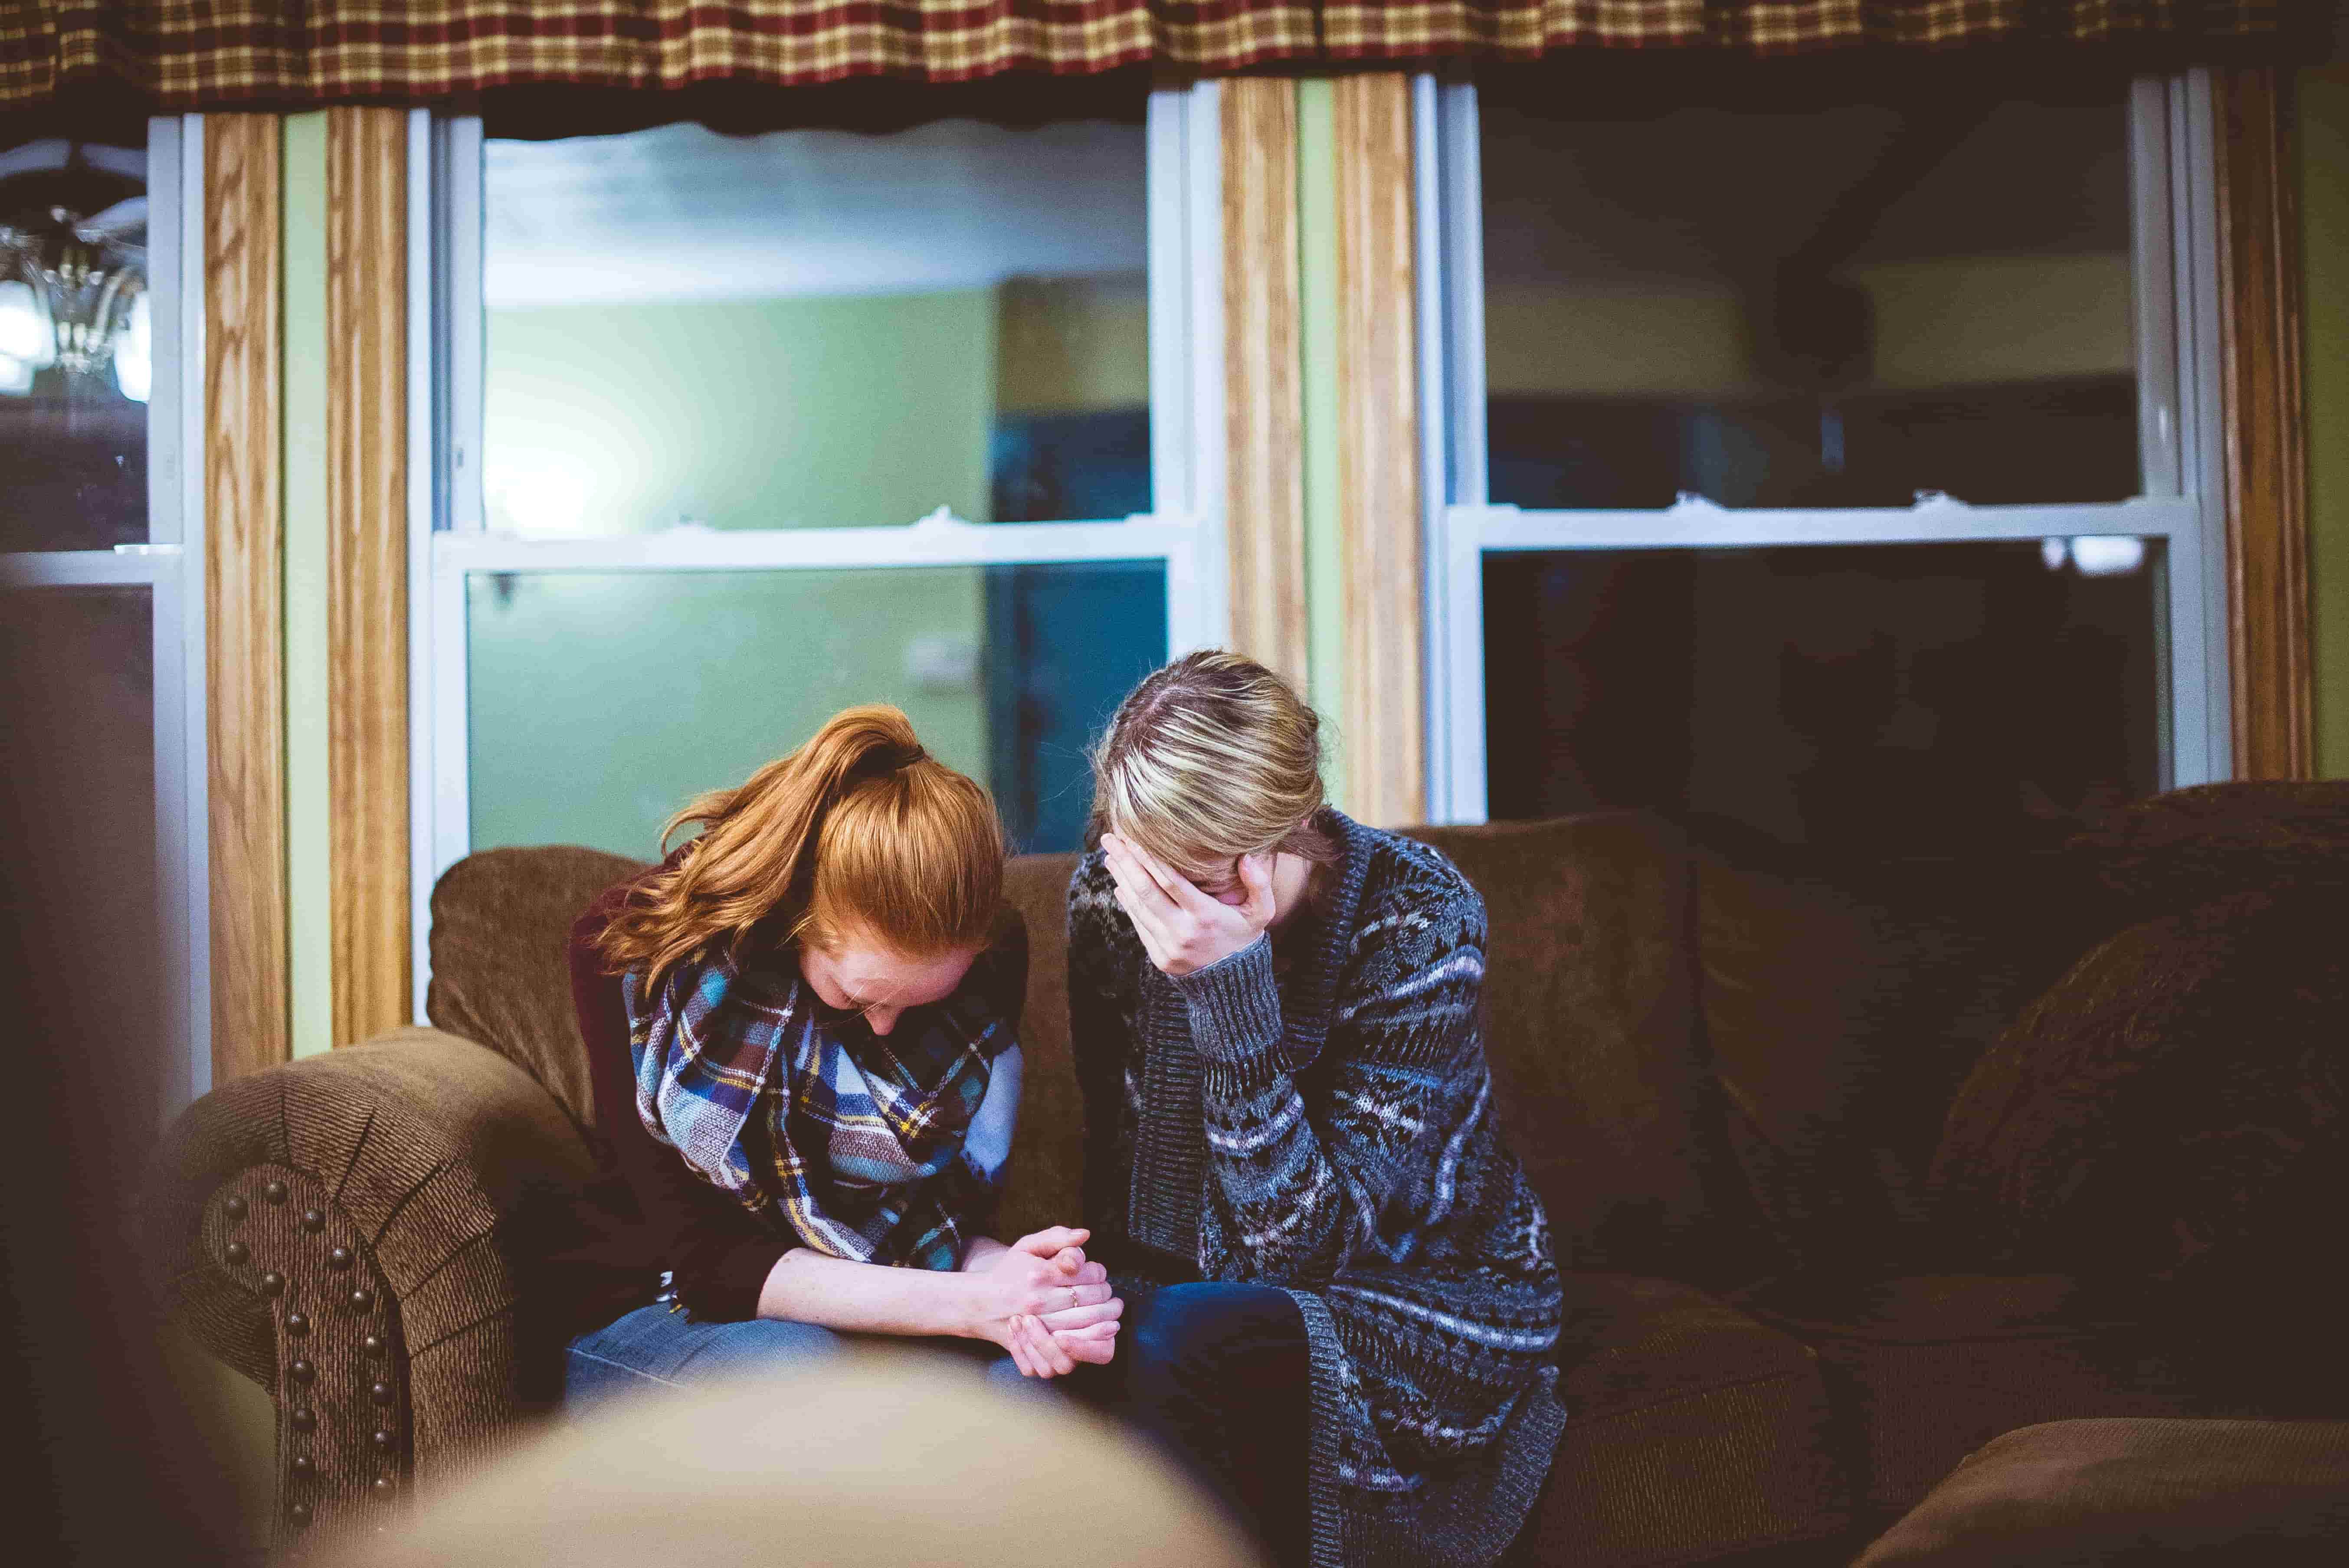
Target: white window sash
(1470,533)
(124,566)
(2176,316)
(934,543)
(447,542)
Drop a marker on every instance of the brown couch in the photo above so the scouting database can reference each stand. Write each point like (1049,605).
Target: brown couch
(1728,1079)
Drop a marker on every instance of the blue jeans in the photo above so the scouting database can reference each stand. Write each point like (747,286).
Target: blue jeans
(1215,1374)
(655,1347)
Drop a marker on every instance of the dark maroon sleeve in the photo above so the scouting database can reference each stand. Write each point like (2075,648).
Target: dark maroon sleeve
(717,1253)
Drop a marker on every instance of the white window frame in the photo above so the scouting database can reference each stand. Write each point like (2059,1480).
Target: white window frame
(171,566)
(2182,503)
(448,540)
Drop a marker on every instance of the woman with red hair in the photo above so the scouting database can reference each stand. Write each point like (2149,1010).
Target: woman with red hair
(807,1081)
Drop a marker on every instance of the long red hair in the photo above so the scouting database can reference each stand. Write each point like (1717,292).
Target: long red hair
(859,829)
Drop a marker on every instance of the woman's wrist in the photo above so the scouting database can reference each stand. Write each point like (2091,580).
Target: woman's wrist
(1234,1004)
(981,1251)
(966,1309)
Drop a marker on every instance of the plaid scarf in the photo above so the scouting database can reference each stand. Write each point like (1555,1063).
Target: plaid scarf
(890,1149)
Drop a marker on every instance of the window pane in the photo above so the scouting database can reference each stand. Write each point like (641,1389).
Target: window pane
(1811,309)
(602,702)
(76,345)
(816,327)
(1829,695)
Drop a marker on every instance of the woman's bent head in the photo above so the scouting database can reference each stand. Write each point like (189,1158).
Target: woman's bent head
(1210,759)
(859,846)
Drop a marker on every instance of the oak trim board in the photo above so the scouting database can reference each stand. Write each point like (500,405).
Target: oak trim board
(366,515)
(245,675)
(2263,396)
(1381,722)
(1263,398)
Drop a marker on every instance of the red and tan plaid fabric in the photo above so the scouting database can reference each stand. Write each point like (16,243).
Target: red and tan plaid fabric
(192,54)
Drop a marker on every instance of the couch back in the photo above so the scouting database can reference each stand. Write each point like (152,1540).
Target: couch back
(502,958)
(1710,1069)
(1600,1078)
(1843,1003)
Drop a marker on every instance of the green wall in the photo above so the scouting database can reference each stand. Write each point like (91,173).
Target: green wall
(778,413)
(309,855)
(1317,345)
(599,703)
(2324,216)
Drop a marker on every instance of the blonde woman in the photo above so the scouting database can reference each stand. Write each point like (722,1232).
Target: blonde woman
(1343,1305)
(805,1074)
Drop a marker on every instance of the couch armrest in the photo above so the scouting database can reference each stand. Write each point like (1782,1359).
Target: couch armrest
(330,1229)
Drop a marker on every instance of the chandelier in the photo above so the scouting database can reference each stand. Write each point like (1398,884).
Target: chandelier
(73,284)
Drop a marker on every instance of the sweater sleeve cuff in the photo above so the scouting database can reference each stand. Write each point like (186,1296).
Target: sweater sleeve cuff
(1235,1006)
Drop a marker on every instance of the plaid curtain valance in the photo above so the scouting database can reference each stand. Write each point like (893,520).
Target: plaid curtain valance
(199,54)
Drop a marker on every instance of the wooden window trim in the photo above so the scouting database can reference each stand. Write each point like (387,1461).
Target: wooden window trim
(2264,403)
(366,556)
(244,611)
(1264,409)
(1382,718)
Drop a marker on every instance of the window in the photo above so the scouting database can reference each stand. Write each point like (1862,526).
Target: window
(100,549)
(739,431)
(1830,474)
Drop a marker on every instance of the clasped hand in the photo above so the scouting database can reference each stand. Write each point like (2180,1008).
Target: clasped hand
(1042,1301)
(1182,929)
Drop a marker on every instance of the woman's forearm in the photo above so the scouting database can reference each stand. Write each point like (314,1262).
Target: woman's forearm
(806,1286)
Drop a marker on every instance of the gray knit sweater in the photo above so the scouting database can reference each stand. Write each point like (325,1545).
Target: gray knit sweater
(1331,1131)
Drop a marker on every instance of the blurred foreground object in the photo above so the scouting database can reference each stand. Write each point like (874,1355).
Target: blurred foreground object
(107,1466)
(888,1459)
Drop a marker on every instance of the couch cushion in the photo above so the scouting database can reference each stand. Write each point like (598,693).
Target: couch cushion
(2248,1494)
(1843,1004)
(1600,1079)
(2177,1105)
(1924,1369)
(500,958)
(2189,846)
(1693,1432)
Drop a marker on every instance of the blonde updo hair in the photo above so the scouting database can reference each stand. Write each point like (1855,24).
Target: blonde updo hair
(1210,758)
